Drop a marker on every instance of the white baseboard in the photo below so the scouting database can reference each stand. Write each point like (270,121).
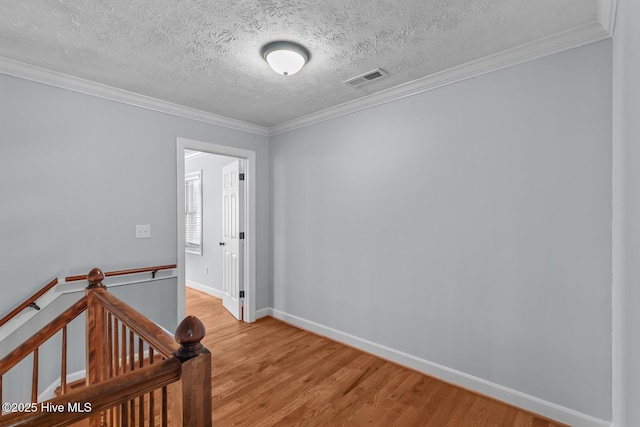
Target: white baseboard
(206,289)
(63,288)
(50,392)
(479,385)
(264,312)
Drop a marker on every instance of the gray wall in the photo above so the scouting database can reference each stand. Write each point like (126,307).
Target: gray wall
(211,166)
(16,389)
(14,386)
(78,172)
(626,226)
(469,226)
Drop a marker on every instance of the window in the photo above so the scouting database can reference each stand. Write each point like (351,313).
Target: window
(193,213)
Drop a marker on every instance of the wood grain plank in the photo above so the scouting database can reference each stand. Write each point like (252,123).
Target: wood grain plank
(269,373)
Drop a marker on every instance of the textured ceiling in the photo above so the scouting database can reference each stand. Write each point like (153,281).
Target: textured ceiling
(205,54)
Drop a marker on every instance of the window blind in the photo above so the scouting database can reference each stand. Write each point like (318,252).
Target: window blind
(193,212)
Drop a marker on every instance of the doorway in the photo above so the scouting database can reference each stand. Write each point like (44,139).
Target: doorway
(203,265)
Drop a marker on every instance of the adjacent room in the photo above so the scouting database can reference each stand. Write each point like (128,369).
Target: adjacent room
(447,188)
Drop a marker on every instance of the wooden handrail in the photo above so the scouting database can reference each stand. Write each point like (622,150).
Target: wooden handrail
(157,337)
(104,395)
(121,377)
(152,270)
(29,301)
(40,337)
(32,299)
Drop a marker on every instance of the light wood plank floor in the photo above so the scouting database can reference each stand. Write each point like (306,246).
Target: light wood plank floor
(270,373)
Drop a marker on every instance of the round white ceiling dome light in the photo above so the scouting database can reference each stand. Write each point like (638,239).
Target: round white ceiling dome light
(286,58)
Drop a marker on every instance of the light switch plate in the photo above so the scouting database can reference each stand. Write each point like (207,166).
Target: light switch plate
(143,231)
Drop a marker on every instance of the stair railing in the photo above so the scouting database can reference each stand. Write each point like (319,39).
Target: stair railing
(136,372)
(29,302)
(153,270)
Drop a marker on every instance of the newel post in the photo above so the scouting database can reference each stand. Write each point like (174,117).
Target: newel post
(196,373)
(96,332)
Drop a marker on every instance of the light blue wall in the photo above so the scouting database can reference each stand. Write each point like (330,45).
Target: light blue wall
(469,226)
(626,225)
(77,173)
(161,291)
(211,166)
(14,386)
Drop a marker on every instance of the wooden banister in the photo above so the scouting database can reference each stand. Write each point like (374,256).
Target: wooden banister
(131,362)
(195,385)
(152,270)
(29,301)
(158,338)
(107,394)
(40,337)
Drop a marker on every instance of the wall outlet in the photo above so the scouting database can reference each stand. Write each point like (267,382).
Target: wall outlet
(143,231)
(206,269)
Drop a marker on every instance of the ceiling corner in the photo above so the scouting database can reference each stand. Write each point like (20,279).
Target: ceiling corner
(560,42)
(53,78)
(607,15)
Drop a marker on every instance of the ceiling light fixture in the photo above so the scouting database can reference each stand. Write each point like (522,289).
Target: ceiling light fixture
(286,58)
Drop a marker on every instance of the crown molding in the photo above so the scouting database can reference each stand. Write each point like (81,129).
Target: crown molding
(65,81)
(607,15)
(560,42)
(600,30)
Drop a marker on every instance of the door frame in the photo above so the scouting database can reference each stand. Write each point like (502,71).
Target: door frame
(249,266)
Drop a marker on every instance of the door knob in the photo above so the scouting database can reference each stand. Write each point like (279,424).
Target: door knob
(221,243)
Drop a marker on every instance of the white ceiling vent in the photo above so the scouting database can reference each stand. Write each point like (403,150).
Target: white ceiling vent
(366,77)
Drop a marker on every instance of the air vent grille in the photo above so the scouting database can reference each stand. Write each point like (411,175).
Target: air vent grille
(366,77)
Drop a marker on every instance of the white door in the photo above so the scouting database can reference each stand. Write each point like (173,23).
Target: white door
(232,243)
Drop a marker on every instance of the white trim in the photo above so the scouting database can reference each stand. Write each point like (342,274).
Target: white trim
(50,392)
(264,312)
(560,42)
(197,176)
(63,288)
(216,293)
(48,298)
(607,15)
(557,43)
(479,385)
(76,84)
(194,155)
(250,220)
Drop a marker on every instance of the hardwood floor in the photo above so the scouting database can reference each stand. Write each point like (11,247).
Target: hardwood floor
(270,373)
